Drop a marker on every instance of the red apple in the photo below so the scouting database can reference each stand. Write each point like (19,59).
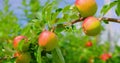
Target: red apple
(105,56)
(48,40)
(17,41)
(86,7)
(91,26)
(88,44)
(16,54)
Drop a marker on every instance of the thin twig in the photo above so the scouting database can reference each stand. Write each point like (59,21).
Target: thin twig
(111,19)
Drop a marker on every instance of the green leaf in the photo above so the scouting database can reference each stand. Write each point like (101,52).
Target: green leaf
(60,27)
(106,22)
(66,9)
(57,56)
(118,1)
(24,3)
(117,10)
(59,9)
(39,60)
(107,7)
(55,15)
(21,45)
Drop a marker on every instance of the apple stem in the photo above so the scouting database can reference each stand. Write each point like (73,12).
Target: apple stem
(53,28)
(59,53)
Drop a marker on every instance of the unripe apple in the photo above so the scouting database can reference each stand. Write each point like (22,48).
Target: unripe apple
(24,58)
(88,44)
(105,56)
(17,41)
(86,7)
(91,26)
(48,40)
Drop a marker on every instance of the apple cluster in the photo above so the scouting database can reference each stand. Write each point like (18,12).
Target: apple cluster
(87,8)
(21,45)
(48,40)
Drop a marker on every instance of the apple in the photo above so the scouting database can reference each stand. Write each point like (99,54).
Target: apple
(48,40)
(88,44)
(16,54)
(17,41)
(24,58)
(86,7)
(91,26)
(91,60)
(105,56)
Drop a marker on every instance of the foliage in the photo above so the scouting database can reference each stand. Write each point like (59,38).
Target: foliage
(46,16)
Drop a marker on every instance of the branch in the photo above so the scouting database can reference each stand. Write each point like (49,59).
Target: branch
(78,20)
(5,58)
(111,19)
(81,19)
(103,18)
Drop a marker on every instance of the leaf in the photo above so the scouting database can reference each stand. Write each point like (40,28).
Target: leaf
(20,45)
(118,1)
(106,8)
(60,27)
(24,3)
(39,60)
(57,56)
(117,10)
(47,10)
(55,15)
(106,22)
(66,9)
(59,9)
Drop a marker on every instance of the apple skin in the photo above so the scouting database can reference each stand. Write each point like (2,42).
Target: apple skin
(18,39)
(105,56)
(86,7)
(91,26)
(48,40)
(24,58)
(88,44)
(16,54)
